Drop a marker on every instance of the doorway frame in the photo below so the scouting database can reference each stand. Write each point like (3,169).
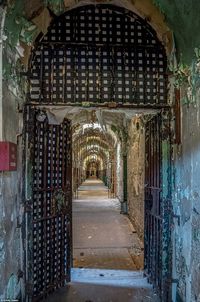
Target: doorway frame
(166,172)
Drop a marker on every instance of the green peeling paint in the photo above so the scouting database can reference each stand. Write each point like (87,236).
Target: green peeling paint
(183,18)
(165,168)
(188,76)
(13,28)
(17,27)
(29,31)
(11,70)
(181,73)
(13,288)
(167,211)
(57,6)
(8,70)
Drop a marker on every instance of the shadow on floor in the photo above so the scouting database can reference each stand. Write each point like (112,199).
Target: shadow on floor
(95,285)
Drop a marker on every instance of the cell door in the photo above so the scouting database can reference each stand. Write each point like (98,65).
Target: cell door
(158,212)
(48,204)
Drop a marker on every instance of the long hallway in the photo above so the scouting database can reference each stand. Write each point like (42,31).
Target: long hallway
(108,255)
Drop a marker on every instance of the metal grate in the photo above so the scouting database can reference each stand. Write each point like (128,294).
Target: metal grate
(50,205)
(99,54)
(153,204)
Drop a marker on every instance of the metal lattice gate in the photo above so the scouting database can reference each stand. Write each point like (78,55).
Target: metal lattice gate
(99,54)
(157,255)
(153,212)
(48,206)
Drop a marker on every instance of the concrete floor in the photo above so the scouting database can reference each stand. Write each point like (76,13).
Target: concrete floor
(95,285)
(107,252)
(103,238)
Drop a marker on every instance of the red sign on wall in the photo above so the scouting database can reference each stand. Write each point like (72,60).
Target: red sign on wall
(8,156)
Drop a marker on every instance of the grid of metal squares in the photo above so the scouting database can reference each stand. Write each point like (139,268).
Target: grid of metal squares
(99,54)
(51,207)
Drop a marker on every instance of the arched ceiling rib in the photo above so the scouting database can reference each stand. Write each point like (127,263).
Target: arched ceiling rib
(85,152)
(93,138)
(97,159)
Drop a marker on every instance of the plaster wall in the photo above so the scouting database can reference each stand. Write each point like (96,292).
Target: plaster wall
(10,205)
(135,175)
(186,199)
(11,210)
(183,17)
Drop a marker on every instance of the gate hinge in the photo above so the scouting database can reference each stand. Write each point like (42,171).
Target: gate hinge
(178,217)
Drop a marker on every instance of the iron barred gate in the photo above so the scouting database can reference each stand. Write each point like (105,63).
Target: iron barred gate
(48,205)
(158,209)
(99,54)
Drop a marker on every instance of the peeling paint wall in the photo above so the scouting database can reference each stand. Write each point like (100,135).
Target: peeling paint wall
(183,18)
(135,181)
(187,205)
(10,207)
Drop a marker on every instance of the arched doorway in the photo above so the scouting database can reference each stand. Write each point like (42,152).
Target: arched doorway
(92,56)
(99,54)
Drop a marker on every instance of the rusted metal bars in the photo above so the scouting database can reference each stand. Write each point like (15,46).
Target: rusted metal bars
(158,206)
(50,243)
(122,61)
(153,203)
